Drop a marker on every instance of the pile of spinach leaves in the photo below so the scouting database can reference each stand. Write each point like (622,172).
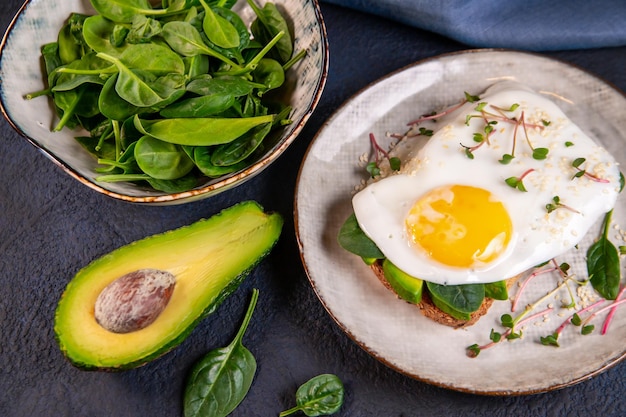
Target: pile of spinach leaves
(170,95)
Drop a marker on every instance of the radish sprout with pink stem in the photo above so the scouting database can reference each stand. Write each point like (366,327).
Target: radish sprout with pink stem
(609,317)
(379,154)
(581,172)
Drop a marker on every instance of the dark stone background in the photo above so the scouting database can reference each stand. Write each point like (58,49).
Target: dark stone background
(50,226)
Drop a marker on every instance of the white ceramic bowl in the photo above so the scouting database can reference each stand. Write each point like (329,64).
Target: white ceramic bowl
(38,22)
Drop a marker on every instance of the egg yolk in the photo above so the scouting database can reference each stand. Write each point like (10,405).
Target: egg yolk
(460,226)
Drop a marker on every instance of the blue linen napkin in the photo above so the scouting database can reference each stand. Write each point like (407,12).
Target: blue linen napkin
(538,25)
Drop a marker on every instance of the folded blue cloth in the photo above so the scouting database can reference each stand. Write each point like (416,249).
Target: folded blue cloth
(538,25)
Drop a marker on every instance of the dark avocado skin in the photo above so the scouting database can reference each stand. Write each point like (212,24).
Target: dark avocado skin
(269,230)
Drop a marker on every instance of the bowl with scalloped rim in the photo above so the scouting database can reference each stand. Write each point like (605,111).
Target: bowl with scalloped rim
(21,72)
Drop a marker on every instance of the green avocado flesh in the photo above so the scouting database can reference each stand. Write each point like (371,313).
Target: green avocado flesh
(407,287)
(497,290)
(209,259)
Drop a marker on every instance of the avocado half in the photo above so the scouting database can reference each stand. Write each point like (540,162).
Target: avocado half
(208,258)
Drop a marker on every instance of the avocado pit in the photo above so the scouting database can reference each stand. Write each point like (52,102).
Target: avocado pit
(134,301)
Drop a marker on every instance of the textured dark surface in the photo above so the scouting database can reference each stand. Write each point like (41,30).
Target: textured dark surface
(50,226)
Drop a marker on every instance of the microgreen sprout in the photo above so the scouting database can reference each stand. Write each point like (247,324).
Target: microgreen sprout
(611,307)
(538,153)
(512,323)
(556,203)
(609,317)
(562,269)
(574,319)
(581,172)
(588,329)
(506,159)
(425,132)
(518,182)
(569,144)
(471,98)
(412,132)
(488,130)
(373,167)
(550,340)
(468,99)
(495,336)
(473,350)
(491,118)
(469,150)
(501,110)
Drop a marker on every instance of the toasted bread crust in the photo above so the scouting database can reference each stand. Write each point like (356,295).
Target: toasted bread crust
(429,309)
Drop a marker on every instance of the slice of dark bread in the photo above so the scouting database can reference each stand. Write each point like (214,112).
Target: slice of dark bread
(428,308)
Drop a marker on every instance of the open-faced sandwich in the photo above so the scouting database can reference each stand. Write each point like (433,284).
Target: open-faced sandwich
(503,182)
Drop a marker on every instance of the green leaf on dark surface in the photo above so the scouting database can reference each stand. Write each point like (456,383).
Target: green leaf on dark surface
(220,381)
(321,395)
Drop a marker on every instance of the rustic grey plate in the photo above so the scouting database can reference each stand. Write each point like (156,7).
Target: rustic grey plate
(390,329)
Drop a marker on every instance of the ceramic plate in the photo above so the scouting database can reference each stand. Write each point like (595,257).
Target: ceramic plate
(390,329)
(38,22)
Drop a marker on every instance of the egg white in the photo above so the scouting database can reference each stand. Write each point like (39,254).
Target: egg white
(538,236)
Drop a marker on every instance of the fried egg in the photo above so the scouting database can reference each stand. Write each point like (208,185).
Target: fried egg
(455,213)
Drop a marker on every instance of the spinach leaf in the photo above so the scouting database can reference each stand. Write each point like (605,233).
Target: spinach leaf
(125,163)
(185,39)
(352,238)
(91,145)
(240,148)
(162,160)
(88,69)
(81,101)
(235,52)
(204,106)
(603,265)
(320,396)
(268,24)
(202,158)
(119,35)
(69,50)
(122,11)
(154,58)
(238,24)
(219,30)
(465,298)
(270,73)
(253,106)
(221,380)
(50,54)
(141,88)
(185,131)
(178,185)
(196,65)
(206,85)
(143,29)
(98,32)
(112,105)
